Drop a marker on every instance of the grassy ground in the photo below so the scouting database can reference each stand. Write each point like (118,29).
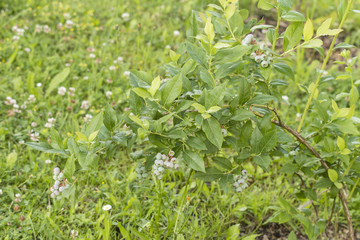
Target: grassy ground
(98,48)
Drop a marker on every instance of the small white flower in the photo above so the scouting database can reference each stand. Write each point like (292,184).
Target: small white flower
(20,32)
(74,233)
(107,207)
(14,28)
(176,33)
(18,195)
(27,50)
(71,91)
(61,91)
(38,84)
(108,94)
(244,172)
(91,55)
(120,59)
(61,176)
(33,124)
(285,98)
(38,28)
(67,16)
(86,78)
(85,105)
(34,136)
(125,16)
(69,23)
(1,192)
(126,74)
(112,68)
(48,161)
(168,47)
(15,38)
(31,98)
(258,58)
(46,29)
(21,142)
(87,118)
(56,171)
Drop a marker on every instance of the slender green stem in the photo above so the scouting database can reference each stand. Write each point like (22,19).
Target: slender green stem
(323,67)
(276,29)
(353,189)
(183,200)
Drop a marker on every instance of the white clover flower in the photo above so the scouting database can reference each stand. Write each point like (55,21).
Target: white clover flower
(108,94)
(71,91)
(125,16)
(176,33)
(9,101)
(56,171)
(74,233)
(21,142)
(59,26)
(112,68)
(1,192)
(51,120)
(33,124)
(87,118)
(67,16)
(126,74)
(120,60)
(52,195)
(23,106)
(31,98)
(38,84)
(67,64)
(69,23)
(20,32)
(38,28)
(85,105)
(86,78)
(61,91)
(46,29)
(27,50)
(34,136)
(48,161)
(285,98)
(14,28)
(15,38)
(107,207)
(168,47)
(48,125)
(91,55)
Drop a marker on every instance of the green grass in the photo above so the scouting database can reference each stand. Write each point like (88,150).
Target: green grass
(150,209)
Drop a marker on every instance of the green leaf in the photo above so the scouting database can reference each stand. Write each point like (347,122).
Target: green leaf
(45,147)
(155,85)
(209,29)
(233,232)
(255,140)
(293,16)
(268,142)
(308,30)
(110,119)
(242,114)
(346,126)
(194,160)
(289,168)
(55,139)
(59,78)
(236,23)
(226,55)
(196,53)
(223,162)
(211,174)
(69,168)
(171,90)
(93,135)
(265,5)
(11,159)
(285,4)
(340,143)
(323,183)
(230,10)
(227,68)
(313,43)
(81,136)
(333,175)
(142,93)
(292,236)
(140,79)
(95,124)
(212,130)
(196,143)
(263,161)
(215,96)
(293,35)
(284,69)
(176,133)
(324,27)
(262,99)
(244,91)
